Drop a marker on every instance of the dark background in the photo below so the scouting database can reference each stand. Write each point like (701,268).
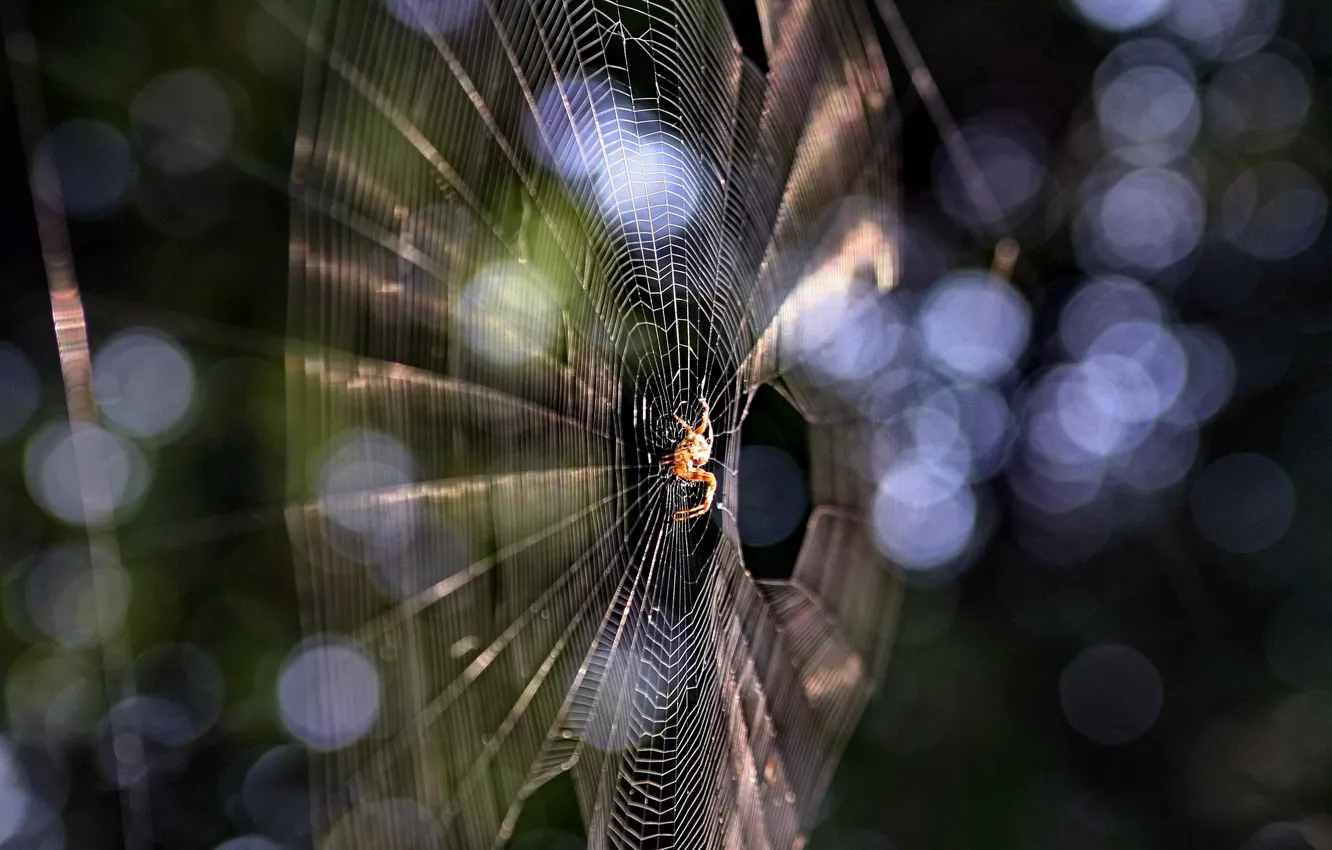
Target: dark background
(969,743)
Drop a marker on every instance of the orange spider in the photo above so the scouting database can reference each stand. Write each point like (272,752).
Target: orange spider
(691,454)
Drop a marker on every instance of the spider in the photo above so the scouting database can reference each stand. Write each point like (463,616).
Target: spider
(691,454)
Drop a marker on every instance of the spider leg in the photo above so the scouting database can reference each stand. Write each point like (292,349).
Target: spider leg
(706,424)
(683,423)
(701,509)
(712,490)
(692,513)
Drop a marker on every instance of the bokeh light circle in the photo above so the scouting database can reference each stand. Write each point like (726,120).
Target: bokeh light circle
(509,313)
(773,496)
(183,121)
(1146,220)
(145,382)
(76,601)
(1147,102)
(1011,159)
(85,168)
(276,793)
(1243,503)
(1111,693)
(1211,375)
(117,474)
(1259,102)
(15,799)
(435,17)
(1273,211)
(328,694)
(1121,15)
(180,695)
(924,515)
(363,479)
(974,326)
(1147,365)
(20,390)
(1101,303)
(849,334)
(1161,459)
(186,685)
(1223,29)
(644,177)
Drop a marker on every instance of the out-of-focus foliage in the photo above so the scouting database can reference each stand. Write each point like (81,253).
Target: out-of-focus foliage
(1106,480)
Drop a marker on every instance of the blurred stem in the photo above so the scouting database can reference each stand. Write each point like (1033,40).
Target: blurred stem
(71,331)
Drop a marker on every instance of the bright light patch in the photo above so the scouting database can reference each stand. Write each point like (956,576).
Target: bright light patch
(328,694)
(1090,405)
(1056,408)
(1120,15)
(145,382)
(649,186)
(1147,365)
(1224,29)
(937,436)
(924,516)
(1147,102)
(563,133)
(631,706)
(117,473)
(362,481)
(509,313)
(975,326)
(1101,303)
(643,177)
(1147,220)
(847,334)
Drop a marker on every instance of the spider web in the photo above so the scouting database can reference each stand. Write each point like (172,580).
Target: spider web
(526,234)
